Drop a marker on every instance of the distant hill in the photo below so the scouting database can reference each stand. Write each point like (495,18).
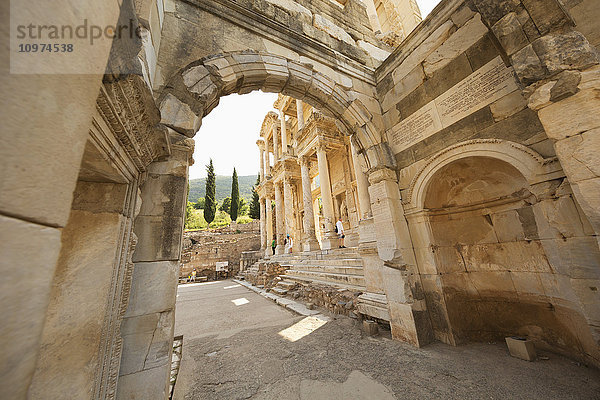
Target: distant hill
(223,187)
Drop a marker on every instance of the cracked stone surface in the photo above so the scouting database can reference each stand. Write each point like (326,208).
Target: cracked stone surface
(235,352)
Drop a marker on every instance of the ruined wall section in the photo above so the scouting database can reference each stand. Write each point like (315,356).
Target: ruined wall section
(203,249)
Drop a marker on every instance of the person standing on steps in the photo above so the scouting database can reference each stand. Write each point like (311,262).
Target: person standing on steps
(339,228)
(290,243)
(273,245)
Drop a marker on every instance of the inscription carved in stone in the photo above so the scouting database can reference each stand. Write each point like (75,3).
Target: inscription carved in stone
(482,87)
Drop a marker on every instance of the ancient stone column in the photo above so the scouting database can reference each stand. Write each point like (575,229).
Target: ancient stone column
(310,240)
(276,149)
(261,159)
(266,158)
(269,225)
(288,206)
(284,143)
(326,198)
(300,114)
(362,183)
(263,232)
(280,224)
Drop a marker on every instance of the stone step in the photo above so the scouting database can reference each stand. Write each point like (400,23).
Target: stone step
(319,255)
(338,285)
(286,285)
(332,269)
(354,280)
(351,262)
(279,291)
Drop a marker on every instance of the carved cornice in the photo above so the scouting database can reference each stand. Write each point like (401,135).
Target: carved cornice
(127,107)
(319,130)
(270,119)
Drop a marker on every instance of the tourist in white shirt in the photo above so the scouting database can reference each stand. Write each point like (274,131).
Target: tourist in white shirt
(340,232)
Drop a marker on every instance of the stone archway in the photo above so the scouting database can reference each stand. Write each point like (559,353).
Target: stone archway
(479,216)
(195,91)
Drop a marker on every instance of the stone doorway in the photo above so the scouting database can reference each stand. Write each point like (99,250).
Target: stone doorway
(94,263)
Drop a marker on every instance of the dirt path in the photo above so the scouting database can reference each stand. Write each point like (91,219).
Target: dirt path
(237,352)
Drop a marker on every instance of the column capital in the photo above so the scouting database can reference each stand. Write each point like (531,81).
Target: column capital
(304,160)
(261,144)
(382,174)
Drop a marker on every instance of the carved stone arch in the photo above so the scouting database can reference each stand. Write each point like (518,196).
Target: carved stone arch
(195,90)
(529,163)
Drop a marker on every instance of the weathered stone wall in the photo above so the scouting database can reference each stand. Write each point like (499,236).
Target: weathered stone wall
(202,249)
(334,300)
(492,241)
(265,273)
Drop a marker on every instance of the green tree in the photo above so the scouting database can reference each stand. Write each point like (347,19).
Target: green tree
(199,205)
(243,209)
(255,203)
(210,205)
(235,196)
(225,205)
(189,211)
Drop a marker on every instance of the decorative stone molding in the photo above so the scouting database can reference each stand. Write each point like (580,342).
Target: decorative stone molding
(382,174)
(532,166)
(128,108)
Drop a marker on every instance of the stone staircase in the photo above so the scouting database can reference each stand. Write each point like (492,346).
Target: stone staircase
(340,268)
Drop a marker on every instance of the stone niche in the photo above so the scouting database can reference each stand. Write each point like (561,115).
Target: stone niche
(489,270)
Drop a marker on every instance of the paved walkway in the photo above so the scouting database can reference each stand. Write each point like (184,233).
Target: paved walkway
(239,345)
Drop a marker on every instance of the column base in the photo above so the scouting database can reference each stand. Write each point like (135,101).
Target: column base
(311,245)
(280,249)
(330,242)
(268,252)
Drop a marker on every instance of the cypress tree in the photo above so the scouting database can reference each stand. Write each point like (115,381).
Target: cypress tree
(210,204)
(235,196)
(255,204)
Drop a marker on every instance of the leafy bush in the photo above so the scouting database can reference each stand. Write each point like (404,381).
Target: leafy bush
(244,219)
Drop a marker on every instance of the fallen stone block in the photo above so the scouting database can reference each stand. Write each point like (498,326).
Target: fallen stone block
(521,348)
(370,327)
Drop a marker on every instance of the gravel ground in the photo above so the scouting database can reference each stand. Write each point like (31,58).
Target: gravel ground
(236,352)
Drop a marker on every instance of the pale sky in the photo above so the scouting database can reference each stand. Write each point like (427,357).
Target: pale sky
(426,6)
(229,133)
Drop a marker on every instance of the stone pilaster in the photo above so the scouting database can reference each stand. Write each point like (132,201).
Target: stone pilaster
(409,318)
(279,222)
(326,197)
(149,321)
(362,184)
(310,242)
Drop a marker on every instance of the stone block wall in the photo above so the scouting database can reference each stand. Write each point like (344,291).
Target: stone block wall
(334,300)
(202,249)
(499,252)
(265,273)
